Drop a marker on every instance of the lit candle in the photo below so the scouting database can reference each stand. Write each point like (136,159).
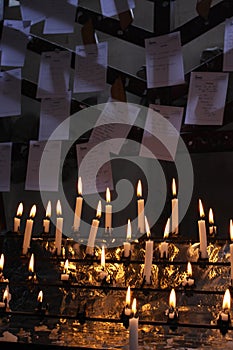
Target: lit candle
(127,244)
(188,281)
(175,209)
(172,313)
(65,274)
(141,218)
(59,227)
(212,228)
(78,206)
(1,266)
(148,254)
(163,247)
(6,297)
(108,212)
(127,302)
(46,221)
(133,328)
(40,300)
(31,264)
(226,305)
(231,249)
(202,232)
(28,230)
(93,230)
(17,219)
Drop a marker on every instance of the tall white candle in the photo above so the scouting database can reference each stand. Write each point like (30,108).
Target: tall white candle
(127,244)
(148,254)
(231,249)
(59,228)
(93,230)
(28,230)
(202,232)
(17,218)
(163,247)
(108,212)
(46,221)
(175,209)
(78,207)
(140,202)
(133,328)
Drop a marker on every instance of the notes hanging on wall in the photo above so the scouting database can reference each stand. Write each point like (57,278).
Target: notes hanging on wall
(111,8)
(5,166)
(228,46)
(206,98)
(54,112)
(161,132)
(43,167)
(90,67)
(14,42)
(164,60)
(54,74)
(33,10)
(10,93)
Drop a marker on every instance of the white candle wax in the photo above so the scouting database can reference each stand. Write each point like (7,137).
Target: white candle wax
(133,333)
(148,260)
(92,236)
(16,224)
(2,305)
(78,212)
(46,224)
(203,238)
(27,235)
(224,316)
(108,217)
(127,248)
(231,260)
(163,249)
(171,315)
(141,216)
(64,277)
(175,216)
(58,235)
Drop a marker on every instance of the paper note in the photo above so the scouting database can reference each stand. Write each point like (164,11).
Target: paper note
(111,8)
(10,93)
(33,10)
(14,42)
(94,167)
(162,132)
(228,46)
(5,166)
(54,112)
(43,166)
(164,60)
(54,74)
(206,98)
(90,67)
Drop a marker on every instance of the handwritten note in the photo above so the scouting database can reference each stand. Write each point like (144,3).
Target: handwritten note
(10,93)
(54,112)
(90,67)
(164,60)
(111,8)
(43,166)
(228,46)
(162,132)
(206,98)
(5,166)
(14,42)
(54,74)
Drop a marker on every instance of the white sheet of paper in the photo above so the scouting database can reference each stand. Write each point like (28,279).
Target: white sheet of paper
(165,127)
(206,98)
(10,93)
(33,10)
(54,74)
(94,167)
(90,67)
(5,166)
(164,60)
(61,16)
(114,122)
(53,112)
(228,46)
(111,8)
(14,42)
(51,166)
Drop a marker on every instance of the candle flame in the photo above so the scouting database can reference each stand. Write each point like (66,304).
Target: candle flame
(231,229)
(129,230)
(5,294)
(20,210)
(40,296)
(103,257)
(31,264)
(80,186)
(128,296)
(33,211)
(226,304)
(211,217)
(201,210)
(1,262)
(48,209)
(99,209)
(134,306)
(189,269)
(58,208)
(108,195)
(167,229)
(173,187)
(66,265)
(148,233)
(172,299)
(139,189)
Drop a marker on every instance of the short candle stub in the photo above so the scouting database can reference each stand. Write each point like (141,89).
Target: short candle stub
(125,316)
(224,322)
(172,317)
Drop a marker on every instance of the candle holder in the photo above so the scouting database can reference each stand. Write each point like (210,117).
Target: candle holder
(172,317)
(144,283)
(224,322)
(126,259)
(188,285)
(202,261)
(40,309)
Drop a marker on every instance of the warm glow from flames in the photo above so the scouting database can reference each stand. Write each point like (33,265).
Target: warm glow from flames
(80,186)
(33,211)
(226,304)
(139,189)
(172,299)
(211,217)
(108,195)
(5,294)
(58,208)
(231,229)
(40,297)
(129,230)
(173,187)
(134,306)
(48,210)
(1,262)
(20,210)
(128,296)
(31,264)
(189,269)
(103,257)
(201,210)
(167,229)
(99,210)
(147,228)
(66,265)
